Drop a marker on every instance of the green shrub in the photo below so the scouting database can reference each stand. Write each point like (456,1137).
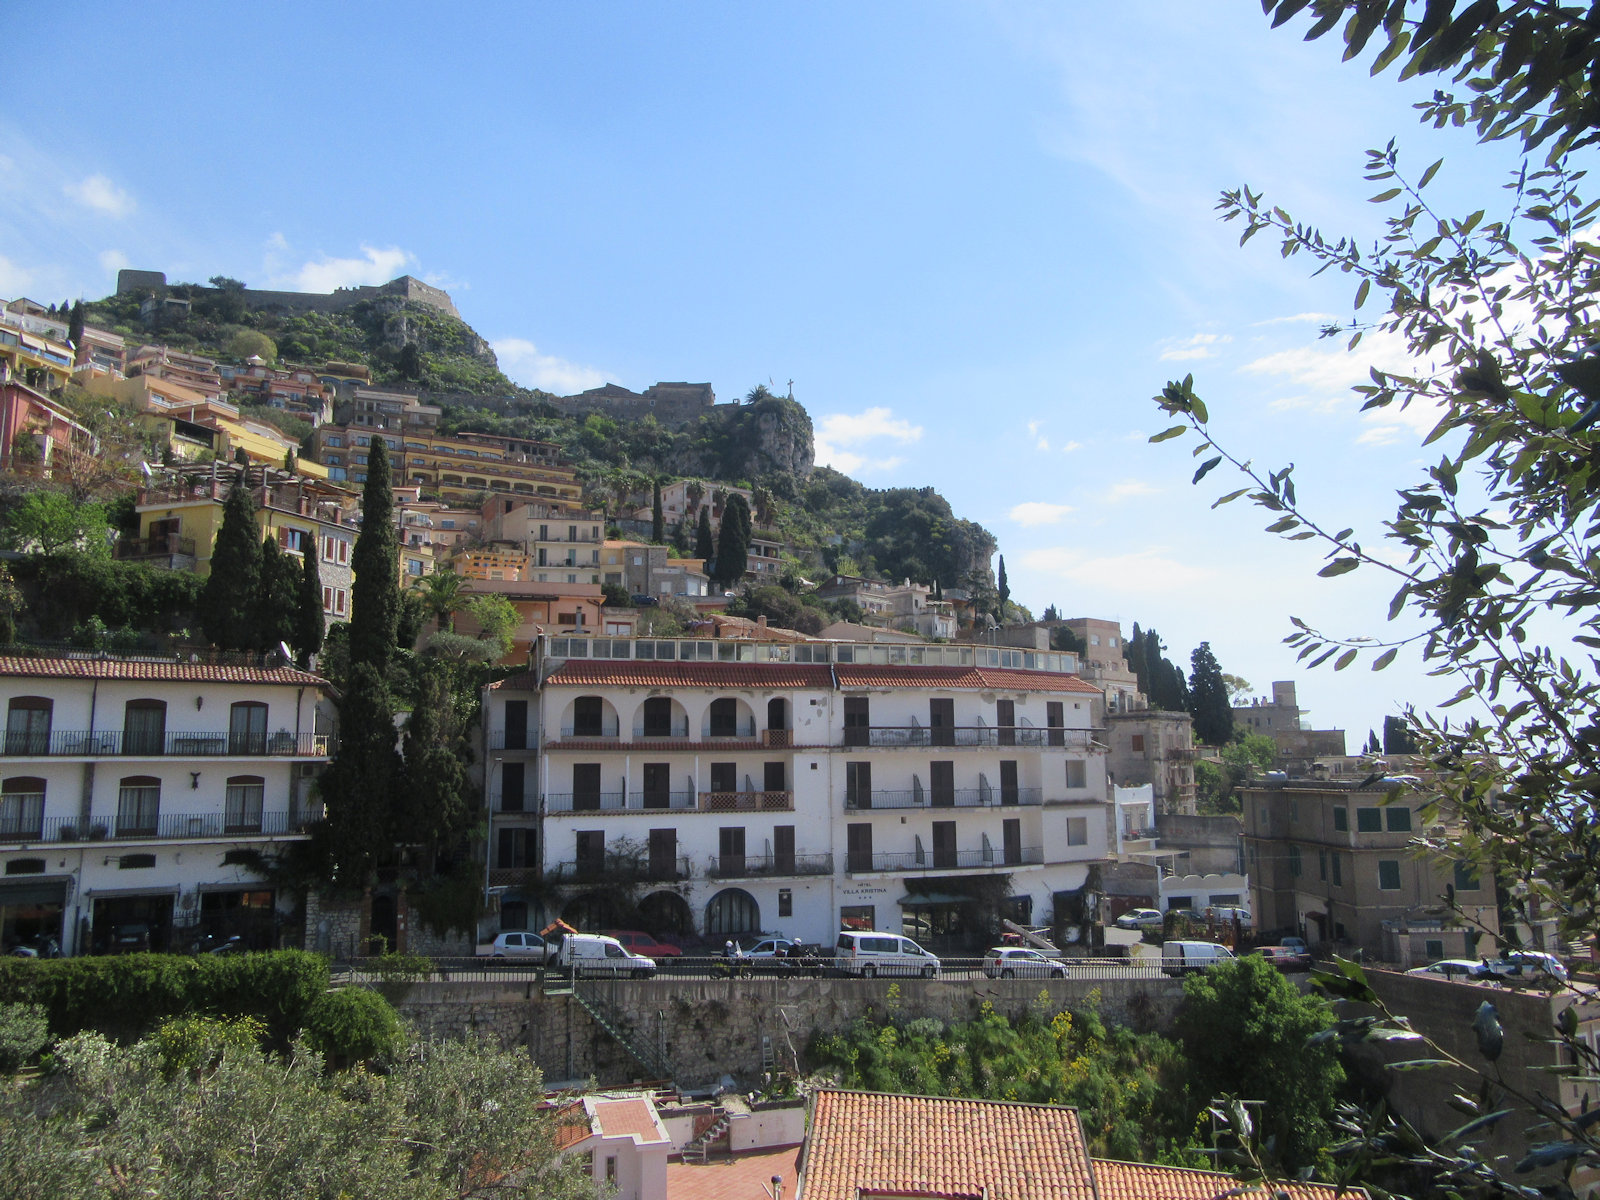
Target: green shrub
(24,1031)
(127,995)
(197,1043)
(354,1025)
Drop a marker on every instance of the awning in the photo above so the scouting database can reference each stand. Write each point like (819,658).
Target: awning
(933,900)
(18,895)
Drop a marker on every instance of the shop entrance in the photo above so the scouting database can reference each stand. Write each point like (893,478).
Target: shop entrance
(31,912)
(250,916)
(129,923)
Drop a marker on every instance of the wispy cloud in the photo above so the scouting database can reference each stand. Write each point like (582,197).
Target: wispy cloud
(1201,345)
(523,362)
(13,278)
(1037,512)
(1322,318)
(1129,489)
(1071,446)
(840,438)
(1040,442)
(377,265)
(1149,572)
(99,193)
(112,261)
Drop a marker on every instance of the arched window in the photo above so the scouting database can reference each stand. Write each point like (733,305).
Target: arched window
(28,725)
(724,718)
(245,793)
(247,728)
(22,808)
(138,806)
(732,911)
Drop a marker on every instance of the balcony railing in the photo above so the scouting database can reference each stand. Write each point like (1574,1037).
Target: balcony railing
(519,739)
(747,801)
(166,827)
(632,801)
(153,547)
(986,797)
(893,737)
(751,866)
(617,868)
(605,729)
(942,860)
(115,743)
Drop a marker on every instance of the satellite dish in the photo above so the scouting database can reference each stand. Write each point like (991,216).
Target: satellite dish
(288,654)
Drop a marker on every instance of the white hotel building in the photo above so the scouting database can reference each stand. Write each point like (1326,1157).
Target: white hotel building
(712,788)
(143,795)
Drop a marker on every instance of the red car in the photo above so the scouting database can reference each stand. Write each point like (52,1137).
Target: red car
(1284,958)
(642,943)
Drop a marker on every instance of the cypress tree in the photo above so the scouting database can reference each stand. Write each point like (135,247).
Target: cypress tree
(434,787)
(1373,745)
(1208,698)
(309,627)
(276,597)
(359,781)
(227,598)
(733,541)
(375,594)
(1005,591)
(75,325)
(704,547)
(658,523)
(240,457)
(1397,737)
(1133,651)
(680,536)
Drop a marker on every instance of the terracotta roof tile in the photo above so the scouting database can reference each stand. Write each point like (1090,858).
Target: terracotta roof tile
(676,674)
(526,681)
(176,672)
(929,1145)
(1140,1181)
(622,1118)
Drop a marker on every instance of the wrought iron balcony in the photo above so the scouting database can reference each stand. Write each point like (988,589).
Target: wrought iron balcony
(982,797)
(753,866)
(619,868)
(116,743)
(968,737)
(631,801)
(938,859)
(164,827)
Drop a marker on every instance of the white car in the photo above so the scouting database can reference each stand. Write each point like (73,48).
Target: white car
(1450,968)
(1141,918)
(523,945)
(1525,964)
(1008,962)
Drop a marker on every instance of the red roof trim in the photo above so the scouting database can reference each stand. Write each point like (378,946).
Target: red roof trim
(176,672)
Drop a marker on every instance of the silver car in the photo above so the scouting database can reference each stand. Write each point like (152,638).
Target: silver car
(1009,962)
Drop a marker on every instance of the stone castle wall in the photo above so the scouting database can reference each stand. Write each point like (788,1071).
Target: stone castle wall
(405,287)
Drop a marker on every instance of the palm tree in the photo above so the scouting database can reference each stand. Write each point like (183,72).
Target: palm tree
(694,491)
(443,595)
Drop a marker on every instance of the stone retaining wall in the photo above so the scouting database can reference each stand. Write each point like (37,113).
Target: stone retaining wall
(715,1027)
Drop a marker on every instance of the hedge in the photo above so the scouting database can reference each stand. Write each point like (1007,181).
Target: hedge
(127,996)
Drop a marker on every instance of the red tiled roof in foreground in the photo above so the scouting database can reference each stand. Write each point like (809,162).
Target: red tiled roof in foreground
(628,1118)
(585,672)
(744,1177)
(1139,1181)
(927,1145)
(158,672)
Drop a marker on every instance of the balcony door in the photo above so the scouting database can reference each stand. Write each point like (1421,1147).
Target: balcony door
(663,854)
(725,777)
(944,845)
(585,787)
(516,724)
(144,727)
(513,778)
(1005,716)
(942,781)
(942,722)
(857,721)
(1009,792)
(1054,717)
(783,849)
(28,725)
(591,853)
(858,785)
(858,847)
(730,850)
(658,717)
(1011,835)
(658,785)
(247,728)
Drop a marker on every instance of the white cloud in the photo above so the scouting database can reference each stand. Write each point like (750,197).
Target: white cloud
(1201,345)
(1127,489)
(522,361)
(837,431)
(378,266)
(1324,318)
(99,193)
(1038,512)
(1071,446)
(112,261)
(13,279)
(277,242)
(1143,572)
(1040,442)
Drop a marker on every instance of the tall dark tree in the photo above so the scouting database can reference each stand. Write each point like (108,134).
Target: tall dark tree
(225,603)
(658,520)
(436,792)
(733,541)
(240,457)
(1051,613)
(75,325)
(1374,746)
(1005,590)
(359,783)
(705,547)
(309,627)
(1398,737)
(409,362)
(680,536)
(375,594)
(277,597)
(1133,651)
(1208,698)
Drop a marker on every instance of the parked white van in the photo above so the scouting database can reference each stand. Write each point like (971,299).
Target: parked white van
(596,954)
(869,954)
(1183,958)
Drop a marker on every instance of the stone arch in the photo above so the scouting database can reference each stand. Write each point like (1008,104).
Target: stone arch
(666,914)
(732,911)
(599,909)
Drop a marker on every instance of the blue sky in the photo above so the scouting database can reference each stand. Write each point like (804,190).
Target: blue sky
(977,237)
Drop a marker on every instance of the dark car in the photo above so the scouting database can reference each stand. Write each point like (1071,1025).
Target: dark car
(129,939)
(1285,958)
(644,601)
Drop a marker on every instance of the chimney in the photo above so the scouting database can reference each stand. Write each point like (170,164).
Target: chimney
(761,621)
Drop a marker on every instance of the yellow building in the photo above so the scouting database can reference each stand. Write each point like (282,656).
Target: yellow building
(494,562)
(453,468)
(33,359)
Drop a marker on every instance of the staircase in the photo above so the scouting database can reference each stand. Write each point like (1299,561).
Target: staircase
(655,1062)
(698,1149)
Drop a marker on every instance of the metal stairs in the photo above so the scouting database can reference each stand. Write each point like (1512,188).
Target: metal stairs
(653,1060)
(698,1149)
